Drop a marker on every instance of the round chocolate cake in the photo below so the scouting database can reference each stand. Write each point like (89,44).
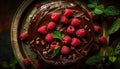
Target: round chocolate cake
(61,32)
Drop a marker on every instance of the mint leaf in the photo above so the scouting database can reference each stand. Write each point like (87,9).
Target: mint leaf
(98,11)
(92,5)
(112,58)
(116,43)
(57,35)
(101,7)
(56,51)
(114,27)
(111,11)
(13,62)
(109,51)
(94,59)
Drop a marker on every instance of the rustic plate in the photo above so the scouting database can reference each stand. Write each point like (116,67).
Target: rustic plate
(20,24)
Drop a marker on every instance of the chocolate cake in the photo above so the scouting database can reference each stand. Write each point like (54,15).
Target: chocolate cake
(61,32)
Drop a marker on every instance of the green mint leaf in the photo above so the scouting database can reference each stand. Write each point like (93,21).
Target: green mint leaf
(112,58)
(5,65)
(13,62)
(98,11)
(94,59)
(57,35)
(111,11)
(116,44)
(56,51)
(114,27)
(109,51)
(101,7)
(92,5)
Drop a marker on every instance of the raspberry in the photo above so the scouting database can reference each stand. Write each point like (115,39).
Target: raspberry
(70,29)
(37,5)
(75,22)
(66,39)
(64,20)
(80,32)
(53,44)
(55,16)
(51,25)
(65,50)
(23,36)
(26,61)
(49,37)
(42,29)
(102,40)
(96,28)
(75,42)
(90,15)
(68,12)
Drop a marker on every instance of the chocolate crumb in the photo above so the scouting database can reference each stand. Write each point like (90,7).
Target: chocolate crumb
(37,42)
(31,42)
(44,52)
(42,42)
(38,38)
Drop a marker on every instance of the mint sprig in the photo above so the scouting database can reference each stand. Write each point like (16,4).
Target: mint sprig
(57,35)
(56,51)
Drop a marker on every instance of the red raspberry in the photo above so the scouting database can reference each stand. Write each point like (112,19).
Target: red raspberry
(53,44)
(51,25)
(64,20)
(75,42)
(65,50)
(49,37)
(96,28)
(102,40)
(55,16)
(23,36)
(66,39)
(75,22)
(68,12)
(90,15)
(80,32)
(42,29)
(70,30)
(37,5)
(26,61)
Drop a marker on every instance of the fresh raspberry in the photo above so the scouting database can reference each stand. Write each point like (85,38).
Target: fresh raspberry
(51,25)
(65,50)
(23,36)
(90,15)
(37,5)
(55,16)
(70,29)
(64,20)
(66,39)
(80,32)
(68,12)
(96,28)
(49,37)
(75,42)
(75,22)
(26,61)
(42,29)
(53,45)
(102,40)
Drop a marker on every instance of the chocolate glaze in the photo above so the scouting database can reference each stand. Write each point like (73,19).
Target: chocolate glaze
(42,17)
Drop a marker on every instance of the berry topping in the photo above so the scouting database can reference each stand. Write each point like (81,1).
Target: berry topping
(80,32)
(23,36)
(102,40)
(37,5)
(51,25)
(26,61)
(66,39)
(49,37)
(96,28)
(75,22)
(68,12)
(54,44)
(42,29)
(90,15)
(64,20)
(75,42)
(70,29)
(55,16)
(65,50)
